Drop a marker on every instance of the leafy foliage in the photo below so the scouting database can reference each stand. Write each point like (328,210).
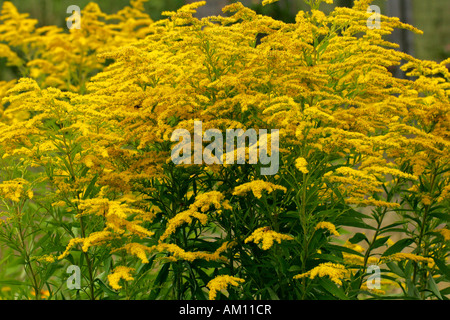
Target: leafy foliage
(87,178)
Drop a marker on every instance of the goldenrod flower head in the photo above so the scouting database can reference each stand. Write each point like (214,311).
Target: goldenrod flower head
(401,256)
(204,201)
(96,238)
(47,258)
(327,226)
(138,250)
(356,260)
(336,272)
(267,237)
(180,219)
(445,232)
(300,164)
(15,189)
(220,283)
(120,272)
(73,242)
(180,254)
(257,187)
(266,2)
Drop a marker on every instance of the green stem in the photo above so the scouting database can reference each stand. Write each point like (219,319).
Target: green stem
(28,261)
(422,231)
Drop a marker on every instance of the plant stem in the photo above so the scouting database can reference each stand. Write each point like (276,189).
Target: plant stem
(422,231)
(28,261)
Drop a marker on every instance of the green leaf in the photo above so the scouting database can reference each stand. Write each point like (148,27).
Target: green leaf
(433,287)
(443,268)
(327,257)
(358,237)
(441,215)
(397,247)
(14,283)
(411,289)
(392,225)
(160,279)
(396,269)
(357,223)
(106,290)
(379,242)
(272,294)
(332,288)
(90,187)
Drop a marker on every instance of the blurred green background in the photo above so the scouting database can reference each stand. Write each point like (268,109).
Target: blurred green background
(430,16)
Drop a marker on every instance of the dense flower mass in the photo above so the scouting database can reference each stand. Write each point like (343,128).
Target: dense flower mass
(335,272)
(220,283)
(266,237)
(87,179)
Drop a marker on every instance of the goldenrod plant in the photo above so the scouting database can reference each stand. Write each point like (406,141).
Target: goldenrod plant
(87,177)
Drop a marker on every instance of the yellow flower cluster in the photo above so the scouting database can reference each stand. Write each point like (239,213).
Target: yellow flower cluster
(336,272)
(300,164)
(203,202)
(267,237)
(445,232)
(116,214)
(136,249)
(96,238)
(95,108)
(257,187)
(47,258)
(220,283)
(72,243)
(178,253)
(327,226)
(55,58)
(180,219)
(402,256)
(15,189)
(120,272)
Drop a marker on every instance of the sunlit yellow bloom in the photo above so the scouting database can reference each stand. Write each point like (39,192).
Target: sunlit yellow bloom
(327,226)
(445,232)
(300,164)
(220,283)
(73,242)
(120,272)
(335,272)
(401,256)
(267,237)
(257,187)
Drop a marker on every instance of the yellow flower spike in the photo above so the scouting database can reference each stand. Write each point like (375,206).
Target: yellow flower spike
(96,238)
(120,272)
(445,232)
(73,242)
(327,226)
(266,2)
(257,187)
(401,256)
(300,164)
(180,219)
(336,272)
(267,237)
(138,250)
(47,258)
(220,283)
